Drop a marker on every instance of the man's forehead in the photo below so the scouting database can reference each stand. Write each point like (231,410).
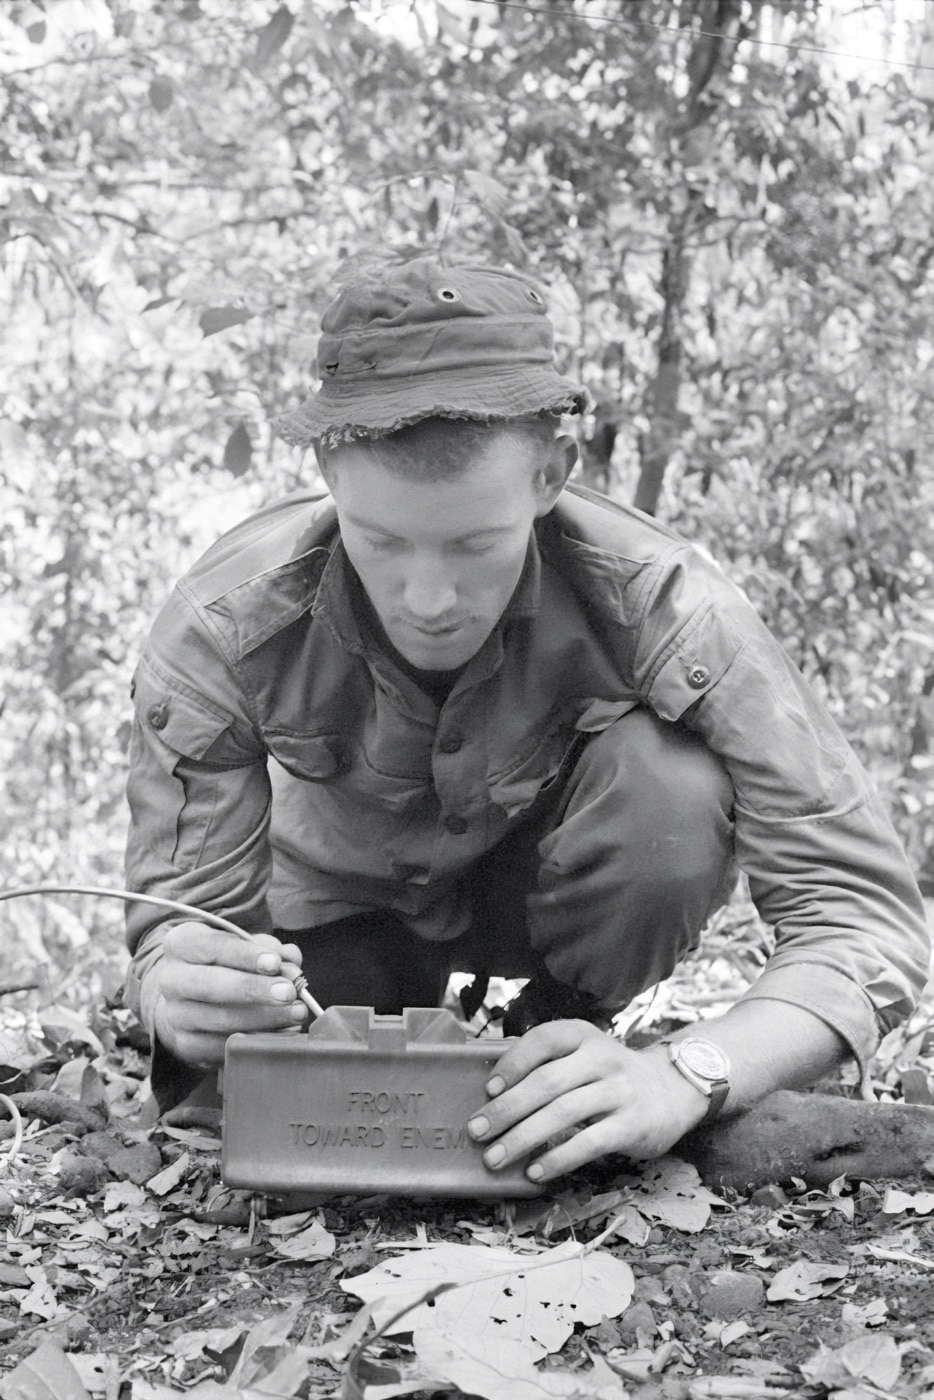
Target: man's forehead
(438,450)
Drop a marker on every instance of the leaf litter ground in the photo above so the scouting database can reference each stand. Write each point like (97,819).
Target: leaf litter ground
(130,1272)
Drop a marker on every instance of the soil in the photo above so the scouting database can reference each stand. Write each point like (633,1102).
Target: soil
(127,1288)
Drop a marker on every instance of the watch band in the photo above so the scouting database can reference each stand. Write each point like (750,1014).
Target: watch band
(706,1066)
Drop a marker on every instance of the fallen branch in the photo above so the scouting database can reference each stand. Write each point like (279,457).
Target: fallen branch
(816,1138)
(54,1108)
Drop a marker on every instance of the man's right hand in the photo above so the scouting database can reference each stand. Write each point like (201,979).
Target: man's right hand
(209,983)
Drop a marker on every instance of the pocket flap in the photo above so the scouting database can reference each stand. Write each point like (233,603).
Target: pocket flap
(185,725)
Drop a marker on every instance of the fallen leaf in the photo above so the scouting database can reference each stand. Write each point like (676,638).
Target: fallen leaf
(805,1279)
(120,1194)
(40,1300)
(314,1242)
(870,1314)
(45,1375)
(875,1358)
(533,1300)
(921,1202)
(190,1345)
(171,1176)
(670,1191)
(631,1226)
(732,1332)
(61,1025)
(271,1332)
(499,1368)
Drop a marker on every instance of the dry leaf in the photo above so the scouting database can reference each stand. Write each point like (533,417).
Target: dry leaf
(499,1368)
(271,1332)
(171,1176)
(314,1242)
(670,1191)
(805,1279)
(45,1375)
(921,1202)
(875,1358)
(533,1300)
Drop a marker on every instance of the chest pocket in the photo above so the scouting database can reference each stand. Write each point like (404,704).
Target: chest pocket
(332,760)
(517,786)
(315,758)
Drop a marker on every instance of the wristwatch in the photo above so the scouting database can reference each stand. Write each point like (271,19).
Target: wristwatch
(704,1065)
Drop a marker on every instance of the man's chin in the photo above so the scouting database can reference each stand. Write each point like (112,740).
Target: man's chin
(445,651)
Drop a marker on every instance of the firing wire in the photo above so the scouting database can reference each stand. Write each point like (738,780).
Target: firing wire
(203,916)
(618,23)
(12,1151)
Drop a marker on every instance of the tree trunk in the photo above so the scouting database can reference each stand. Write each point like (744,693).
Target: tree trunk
(721,28)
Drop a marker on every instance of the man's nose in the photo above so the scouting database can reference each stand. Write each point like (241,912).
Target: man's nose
(430,592)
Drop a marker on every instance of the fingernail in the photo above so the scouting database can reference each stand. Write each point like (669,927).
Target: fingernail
(494,1155)
(282,991)
(535,1172)
(298,1012)
(267,962)
(478,1127)
(495,1086)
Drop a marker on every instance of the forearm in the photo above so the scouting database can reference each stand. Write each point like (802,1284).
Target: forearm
(770,1044)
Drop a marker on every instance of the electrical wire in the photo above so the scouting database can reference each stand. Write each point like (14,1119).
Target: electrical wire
(203,916)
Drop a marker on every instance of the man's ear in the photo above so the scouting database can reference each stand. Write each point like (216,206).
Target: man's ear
(553,471)
(325,468)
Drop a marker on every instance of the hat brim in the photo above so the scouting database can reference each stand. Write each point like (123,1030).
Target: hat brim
(340,411)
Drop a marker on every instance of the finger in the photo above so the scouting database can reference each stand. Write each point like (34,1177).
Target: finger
(547,1042)
(199,1048)
(545,1085)
(192,985)
(534,1131)
(191,1017)
(593,1142)
(200,944)
(269,944)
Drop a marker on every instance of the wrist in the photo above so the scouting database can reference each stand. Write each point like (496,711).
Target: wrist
(684,1104)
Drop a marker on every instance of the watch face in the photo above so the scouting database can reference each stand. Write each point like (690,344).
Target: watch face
(704,1058)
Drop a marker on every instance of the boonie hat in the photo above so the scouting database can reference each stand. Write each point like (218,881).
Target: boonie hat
(421,340)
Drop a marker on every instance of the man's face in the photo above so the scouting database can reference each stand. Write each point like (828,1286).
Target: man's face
(439,560)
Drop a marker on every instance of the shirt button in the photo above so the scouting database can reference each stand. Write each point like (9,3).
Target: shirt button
(456,825)
(451,742)
(158,715)
(698,676)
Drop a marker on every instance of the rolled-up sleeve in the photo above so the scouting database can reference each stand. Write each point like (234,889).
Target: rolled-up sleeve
(825,866)
(198,793)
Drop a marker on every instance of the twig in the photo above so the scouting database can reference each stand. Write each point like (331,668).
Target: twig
(10,987)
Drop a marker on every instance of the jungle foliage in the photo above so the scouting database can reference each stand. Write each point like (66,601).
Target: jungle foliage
(737,230)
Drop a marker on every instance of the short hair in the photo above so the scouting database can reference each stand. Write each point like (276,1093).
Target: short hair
(430,451)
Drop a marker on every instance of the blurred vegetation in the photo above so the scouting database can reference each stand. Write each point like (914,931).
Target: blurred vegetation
(737,230)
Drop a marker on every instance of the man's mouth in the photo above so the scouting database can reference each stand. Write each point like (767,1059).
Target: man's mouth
(435,630)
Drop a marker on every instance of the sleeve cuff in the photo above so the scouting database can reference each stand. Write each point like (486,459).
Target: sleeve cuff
(829,995)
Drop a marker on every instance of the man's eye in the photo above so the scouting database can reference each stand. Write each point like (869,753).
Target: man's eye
(381,542)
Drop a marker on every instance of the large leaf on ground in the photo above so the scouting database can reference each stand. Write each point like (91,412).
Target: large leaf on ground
(535,1300)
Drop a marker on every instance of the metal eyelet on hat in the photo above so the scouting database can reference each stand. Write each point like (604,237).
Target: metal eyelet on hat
(449,294)
(540,301)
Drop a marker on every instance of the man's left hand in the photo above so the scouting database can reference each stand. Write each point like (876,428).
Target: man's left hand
(569,1077)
